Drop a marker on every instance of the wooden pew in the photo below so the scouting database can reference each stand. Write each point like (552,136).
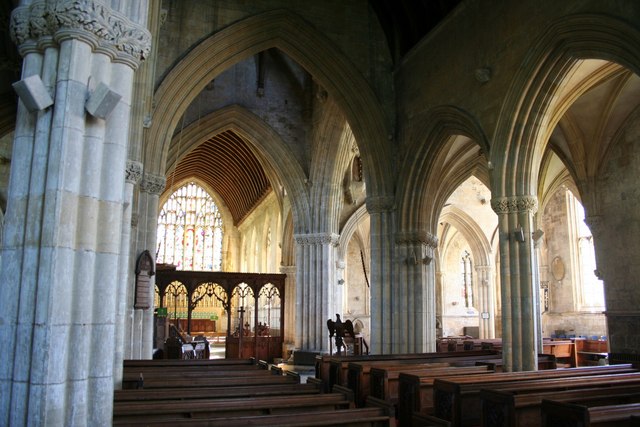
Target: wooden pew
(358,374)
(332,369)
(360,417)
(571,415)
(457,399)
(145,412)
(214,392)
(384,381)
(545,361)
(518,407)
(179,382)
(163,363)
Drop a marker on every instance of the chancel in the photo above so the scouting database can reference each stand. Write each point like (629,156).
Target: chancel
(190,187)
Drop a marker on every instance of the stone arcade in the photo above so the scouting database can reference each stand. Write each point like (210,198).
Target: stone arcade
(421,171)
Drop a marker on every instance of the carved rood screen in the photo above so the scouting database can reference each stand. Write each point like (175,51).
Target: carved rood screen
(250,307)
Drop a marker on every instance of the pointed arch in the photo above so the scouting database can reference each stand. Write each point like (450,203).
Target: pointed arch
(421,190)
(465,224)
(290,33)
(266,144)
(528,109)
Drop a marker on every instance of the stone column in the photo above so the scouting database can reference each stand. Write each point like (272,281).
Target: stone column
(486,301)
(414,296)
(317,299)
(616,266)
(140,322)
(127,267)
(518,272)
(289,307)
(381,213)
(61,259)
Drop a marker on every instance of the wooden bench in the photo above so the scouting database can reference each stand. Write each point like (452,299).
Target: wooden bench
(572,415)
(517,407)
(360,417)
(179,382)
(545,361)
(128,412)
(163,363)
(358,374)
(214,392)
(457,399)
(332,369)
(384,381)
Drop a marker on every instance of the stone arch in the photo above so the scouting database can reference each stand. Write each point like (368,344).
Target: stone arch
(265,142)
(333,151)
(349,229)
(286,31)
(480,246)
(529,110)
(419,170)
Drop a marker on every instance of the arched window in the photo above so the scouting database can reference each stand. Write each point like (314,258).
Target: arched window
(589,288)
(466,270)
(190,230)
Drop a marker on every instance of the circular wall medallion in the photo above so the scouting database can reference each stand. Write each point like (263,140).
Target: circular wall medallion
(557,268)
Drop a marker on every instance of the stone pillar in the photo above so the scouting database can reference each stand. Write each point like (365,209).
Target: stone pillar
(381,214)
(518,273)
(616,266)
(414,296)
(140,322)
(61,259)
(317,298)
(289,307)
(486,301)
(125,276)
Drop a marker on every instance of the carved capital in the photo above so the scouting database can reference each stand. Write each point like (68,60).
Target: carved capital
(507,205)
(133,172)
(317,239)
(106,30)
(153,184)
(417,238)
(380,204)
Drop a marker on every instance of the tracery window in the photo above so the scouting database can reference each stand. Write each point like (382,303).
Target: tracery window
(190,230)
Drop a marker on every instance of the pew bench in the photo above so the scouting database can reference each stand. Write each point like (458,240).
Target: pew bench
(165,363)
(214,392)
(359,374)
(457,399)
(179,382)
(572,415)
(356,417)
(384,382)
(150,411)
(517,408)
(331,369)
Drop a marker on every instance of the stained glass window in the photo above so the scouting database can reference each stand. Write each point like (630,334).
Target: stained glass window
(190,230)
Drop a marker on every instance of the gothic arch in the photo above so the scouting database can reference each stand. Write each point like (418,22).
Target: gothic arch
(286,31)
(266,143)
(331,155)
(349,229)
(528,110)
(422,188)
(480,246)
